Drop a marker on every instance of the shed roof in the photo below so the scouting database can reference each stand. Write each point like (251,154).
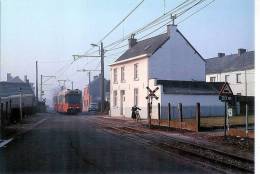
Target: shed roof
(229,63)
(190,87)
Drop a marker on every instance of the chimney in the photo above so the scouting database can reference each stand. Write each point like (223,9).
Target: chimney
(25,78)
(170,29)
(9,77)
(132,41)
(221,54)
(95,77)
(241,51)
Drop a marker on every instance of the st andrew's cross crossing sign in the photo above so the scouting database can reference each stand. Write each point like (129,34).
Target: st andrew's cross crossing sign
(152,93)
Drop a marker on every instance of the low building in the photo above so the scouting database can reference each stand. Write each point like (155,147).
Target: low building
(187,94)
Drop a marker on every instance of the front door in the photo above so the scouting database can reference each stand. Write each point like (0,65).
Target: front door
(122,100)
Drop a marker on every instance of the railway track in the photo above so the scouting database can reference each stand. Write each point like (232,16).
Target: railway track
(173,145)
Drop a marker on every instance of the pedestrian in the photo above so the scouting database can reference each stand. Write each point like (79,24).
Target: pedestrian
(134,109)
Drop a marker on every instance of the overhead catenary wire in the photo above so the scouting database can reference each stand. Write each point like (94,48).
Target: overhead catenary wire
(185,10)
(195,12)
(151,28)
(117,25)
(155,21)
(167,22)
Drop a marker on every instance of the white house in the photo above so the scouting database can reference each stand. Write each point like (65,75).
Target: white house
(236,69)
(168,57)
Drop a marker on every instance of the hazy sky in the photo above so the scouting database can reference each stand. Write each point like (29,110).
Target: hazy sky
(50,31)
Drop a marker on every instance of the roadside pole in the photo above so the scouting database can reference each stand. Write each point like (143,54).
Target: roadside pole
(36,86)
(21,108)
(0,120)
(102,77)
(159,113)
(41,89)
(246,119)
(226,96)
(225,124)
(150,97)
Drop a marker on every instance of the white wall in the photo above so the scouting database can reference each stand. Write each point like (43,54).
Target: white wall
(129,86)
(247,85)
(176,60)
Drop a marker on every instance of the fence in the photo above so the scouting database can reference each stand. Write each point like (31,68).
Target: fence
(196,117)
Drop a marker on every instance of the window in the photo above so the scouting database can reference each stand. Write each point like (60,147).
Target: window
(212,79)
(123,74)
(115,98)
(238,78)
(115,75)
(136,71)
(226,78)
(136,96)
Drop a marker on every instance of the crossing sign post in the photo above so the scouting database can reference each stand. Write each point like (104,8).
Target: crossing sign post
(150,97)
(226,95)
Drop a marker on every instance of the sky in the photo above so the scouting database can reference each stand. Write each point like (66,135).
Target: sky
(51,31)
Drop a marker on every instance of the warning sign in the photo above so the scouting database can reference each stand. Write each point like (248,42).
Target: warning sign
(226,90)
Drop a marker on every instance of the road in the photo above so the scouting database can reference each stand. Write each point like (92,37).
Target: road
(76,144)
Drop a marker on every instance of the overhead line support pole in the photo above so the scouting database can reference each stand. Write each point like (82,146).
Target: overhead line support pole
(36,90)
(102,77)
(41,89)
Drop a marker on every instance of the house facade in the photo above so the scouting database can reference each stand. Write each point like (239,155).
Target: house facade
(168,56)
(236,69)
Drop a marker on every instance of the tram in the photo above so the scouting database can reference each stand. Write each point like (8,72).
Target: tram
(68,101)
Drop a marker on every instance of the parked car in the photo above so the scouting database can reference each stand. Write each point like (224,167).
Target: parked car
(93,107)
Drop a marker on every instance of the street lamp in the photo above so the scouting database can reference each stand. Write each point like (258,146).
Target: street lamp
(102,86)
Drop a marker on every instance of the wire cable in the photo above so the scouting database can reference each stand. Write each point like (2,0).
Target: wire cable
(117,25)
(195,12)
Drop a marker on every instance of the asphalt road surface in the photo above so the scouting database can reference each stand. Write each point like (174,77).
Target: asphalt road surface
(72,144)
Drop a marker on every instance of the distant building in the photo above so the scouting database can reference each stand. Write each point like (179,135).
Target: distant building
(92,93)
(236,69)
(167,61)
(14,88)
(16,79)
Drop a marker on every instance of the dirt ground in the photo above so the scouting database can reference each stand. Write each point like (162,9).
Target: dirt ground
(243,144)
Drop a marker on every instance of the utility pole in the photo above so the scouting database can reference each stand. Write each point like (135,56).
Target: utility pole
(20,104)
(89,80)
(71,85)
(102,78)
(41,89)
(37,99)
(0,41)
